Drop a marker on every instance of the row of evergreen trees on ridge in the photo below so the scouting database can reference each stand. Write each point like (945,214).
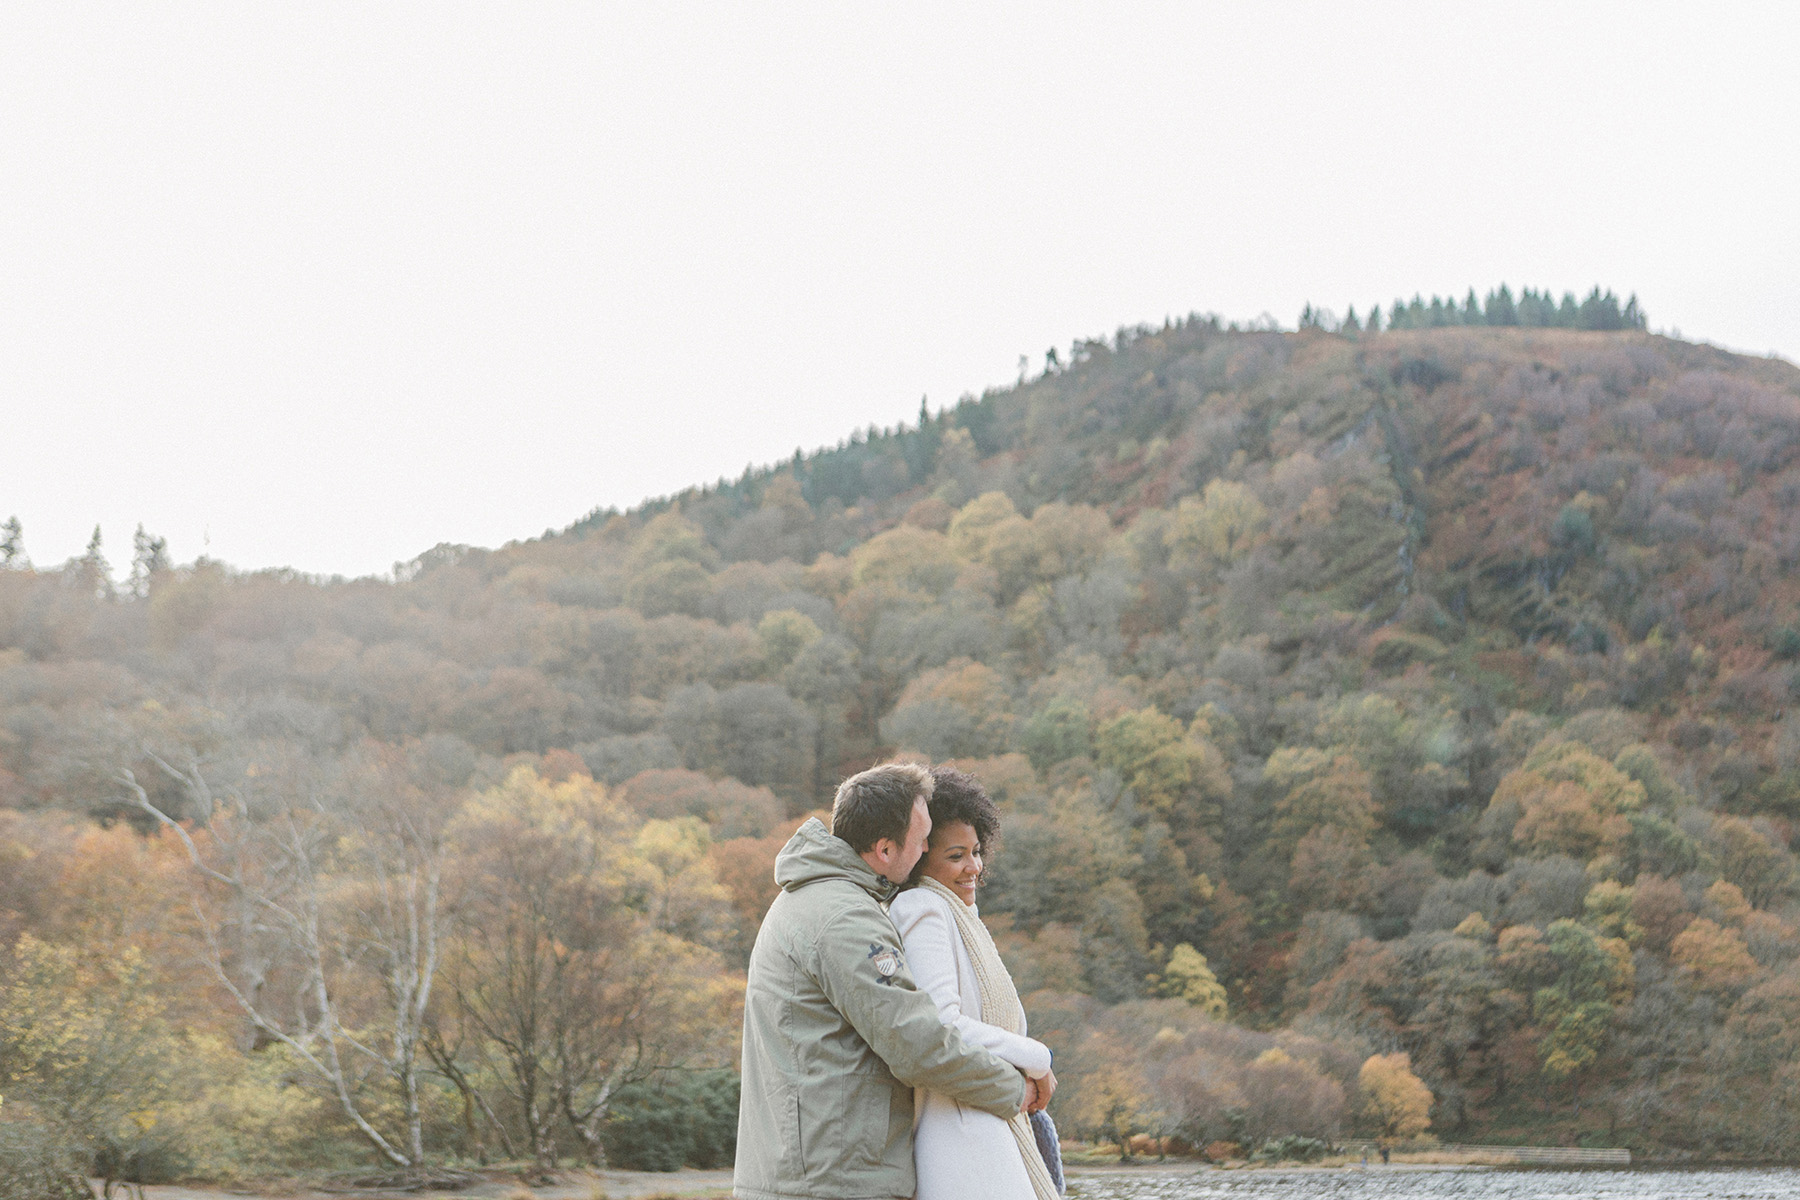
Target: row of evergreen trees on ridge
(1600,310)
(838,471)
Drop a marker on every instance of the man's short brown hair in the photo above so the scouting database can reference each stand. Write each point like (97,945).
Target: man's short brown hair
(878,803)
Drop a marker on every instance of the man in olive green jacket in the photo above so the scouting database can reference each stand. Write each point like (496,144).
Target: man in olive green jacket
(836,1033)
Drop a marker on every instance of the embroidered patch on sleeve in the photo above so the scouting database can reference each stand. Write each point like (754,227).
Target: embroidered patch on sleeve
(887,961)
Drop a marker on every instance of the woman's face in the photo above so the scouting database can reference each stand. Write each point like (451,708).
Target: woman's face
(954,858)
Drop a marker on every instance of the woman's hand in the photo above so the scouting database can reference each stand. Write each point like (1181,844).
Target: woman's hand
(1042,1090)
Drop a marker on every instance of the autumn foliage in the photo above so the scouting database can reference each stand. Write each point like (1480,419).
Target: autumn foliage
(1347,695)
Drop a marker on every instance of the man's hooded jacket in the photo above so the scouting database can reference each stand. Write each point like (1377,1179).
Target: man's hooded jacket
(837,1035)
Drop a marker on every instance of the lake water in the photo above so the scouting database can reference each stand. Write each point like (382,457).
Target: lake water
(1777,1183)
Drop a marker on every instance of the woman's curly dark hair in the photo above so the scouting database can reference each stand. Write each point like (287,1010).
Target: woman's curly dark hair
(959,797)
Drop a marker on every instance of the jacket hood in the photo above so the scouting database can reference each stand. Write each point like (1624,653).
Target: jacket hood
(814,854)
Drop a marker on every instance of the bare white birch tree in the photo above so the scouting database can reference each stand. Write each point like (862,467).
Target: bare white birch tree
(322,918)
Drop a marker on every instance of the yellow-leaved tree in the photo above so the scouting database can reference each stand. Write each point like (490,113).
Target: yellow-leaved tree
(1394,1100)
(1110,1098)
(583,958)
(1188,977)
(1175,772)
(1215,527)
(87,1053)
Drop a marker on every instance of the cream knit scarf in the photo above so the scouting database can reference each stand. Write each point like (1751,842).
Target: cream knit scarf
(999,1006)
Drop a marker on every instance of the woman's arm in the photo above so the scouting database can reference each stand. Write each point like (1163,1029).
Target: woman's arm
(927,932)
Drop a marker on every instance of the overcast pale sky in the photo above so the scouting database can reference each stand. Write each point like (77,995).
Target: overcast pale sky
(323,285)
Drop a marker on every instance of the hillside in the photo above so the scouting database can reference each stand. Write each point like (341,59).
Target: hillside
(1431,684)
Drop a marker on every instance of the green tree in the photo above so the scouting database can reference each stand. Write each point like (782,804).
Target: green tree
(1750,858)
(960,710)
(1500,309)
(672,537)
(676,585)
(1115,946)
(1060,730)
(1593,975)
(678,1119)
(907,557)
(784,633)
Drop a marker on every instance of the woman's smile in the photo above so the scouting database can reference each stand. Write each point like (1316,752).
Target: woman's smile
(954,859)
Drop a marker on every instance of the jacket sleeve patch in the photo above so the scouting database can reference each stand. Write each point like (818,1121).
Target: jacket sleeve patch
(886,960)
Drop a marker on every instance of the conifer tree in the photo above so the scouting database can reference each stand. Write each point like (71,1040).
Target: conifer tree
(1532,309)
(94,571)
(1601,311)
(12,544)
(149,558)
(1500,308)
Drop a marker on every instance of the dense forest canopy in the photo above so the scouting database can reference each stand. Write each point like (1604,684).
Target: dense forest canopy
(1378,703)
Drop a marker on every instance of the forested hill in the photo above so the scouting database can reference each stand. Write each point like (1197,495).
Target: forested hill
(1426,689)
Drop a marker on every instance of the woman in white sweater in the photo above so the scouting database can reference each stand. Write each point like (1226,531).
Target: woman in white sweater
(961,1152)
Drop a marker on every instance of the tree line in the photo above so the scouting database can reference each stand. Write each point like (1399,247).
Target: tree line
(1532,309)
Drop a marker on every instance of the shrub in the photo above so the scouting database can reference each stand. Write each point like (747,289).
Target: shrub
(1291,1148)
(36,1164)
(681,1120)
